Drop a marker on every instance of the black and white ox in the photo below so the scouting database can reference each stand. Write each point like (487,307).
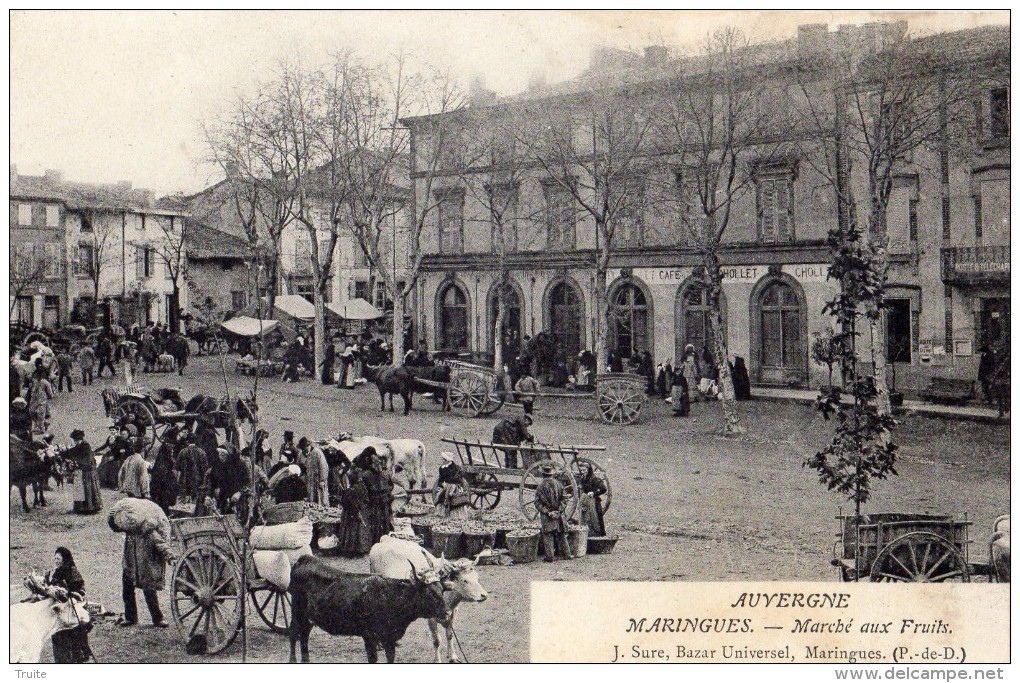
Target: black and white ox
(33,623)
(397,558)
(377,608)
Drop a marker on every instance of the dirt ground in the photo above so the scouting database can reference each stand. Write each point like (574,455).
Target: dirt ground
(688,505)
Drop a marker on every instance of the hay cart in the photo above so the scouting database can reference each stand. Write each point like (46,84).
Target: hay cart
(895,547)
(476,391)
(487,477)
(206,588)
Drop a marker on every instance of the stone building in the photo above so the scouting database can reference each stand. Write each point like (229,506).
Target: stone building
(219,279)
(106,253)
(948,231)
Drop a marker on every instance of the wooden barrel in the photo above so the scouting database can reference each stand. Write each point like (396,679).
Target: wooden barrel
(448,543)
(523,549)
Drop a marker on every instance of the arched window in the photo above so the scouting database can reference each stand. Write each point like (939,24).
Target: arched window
(510,330)
(692,317)
(566,316)
(629,321)
(781,345)
(453,318)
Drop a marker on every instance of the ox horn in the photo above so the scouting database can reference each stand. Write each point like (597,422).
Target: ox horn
(414,571)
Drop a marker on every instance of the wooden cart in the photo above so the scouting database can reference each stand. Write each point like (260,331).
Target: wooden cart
(475,391)
(487,477)
(205,589)
(893,547)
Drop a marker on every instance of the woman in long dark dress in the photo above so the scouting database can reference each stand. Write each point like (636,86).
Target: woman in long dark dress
(70,646)
(366,505)
(81,453)
(163,481)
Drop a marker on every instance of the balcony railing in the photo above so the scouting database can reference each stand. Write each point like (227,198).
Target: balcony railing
(975,265)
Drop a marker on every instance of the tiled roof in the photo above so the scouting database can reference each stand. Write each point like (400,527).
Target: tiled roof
(205,242)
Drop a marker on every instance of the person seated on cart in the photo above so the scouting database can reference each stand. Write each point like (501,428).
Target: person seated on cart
(513,431)
(551,502)
(451,489)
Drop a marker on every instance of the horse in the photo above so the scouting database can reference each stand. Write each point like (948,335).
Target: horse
(392,379)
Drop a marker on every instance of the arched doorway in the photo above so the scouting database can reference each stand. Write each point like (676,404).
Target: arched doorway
(692,321)
(511,330)
(779,332)
(564,316)
(630,319)
(452,318)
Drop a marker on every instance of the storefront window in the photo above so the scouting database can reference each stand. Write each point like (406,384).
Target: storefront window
(897,330)
(781,345)
(566,313)
(511,327)
(629,321)
(453,319)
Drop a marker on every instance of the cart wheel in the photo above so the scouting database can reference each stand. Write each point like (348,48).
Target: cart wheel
(493,402)
(619,401)
(920,556)
(581,464)
(136,412)
(533,477)
(485,492)
(468,394)
(205,596)
(273,605)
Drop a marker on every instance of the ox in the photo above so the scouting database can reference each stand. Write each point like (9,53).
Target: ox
(405,458)
(377,608)
(397,558)
(392,380)
(998,550)
(166,363)
(32,623)
(28,468)
(440,374)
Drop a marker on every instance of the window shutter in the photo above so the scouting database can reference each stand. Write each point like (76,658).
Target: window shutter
(139,261)
(782,210)
(768,208)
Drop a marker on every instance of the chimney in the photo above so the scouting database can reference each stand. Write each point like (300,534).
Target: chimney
(53,176)
(656,56)
(812,40)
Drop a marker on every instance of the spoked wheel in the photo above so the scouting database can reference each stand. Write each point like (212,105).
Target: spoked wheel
(533,477)
(485,492)
(273,605)
(581,465)
(921,557)
(205,597)
(493,402)
(468,394)
(619,401)
(134,411)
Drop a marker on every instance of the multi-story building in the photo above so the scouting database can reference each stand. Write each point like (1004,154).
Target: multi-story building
(219,278)
(947,226)
(91,254)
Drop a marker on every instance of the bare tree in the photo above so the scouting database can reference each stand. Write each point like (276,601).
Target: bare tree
(593,149)
(377,101)
(99,235)
(172,250)
(865,111)
(28,266)
(717,120)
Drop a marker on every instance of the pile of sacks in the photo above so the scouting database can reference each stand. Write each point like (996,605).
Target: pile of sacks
(276,548)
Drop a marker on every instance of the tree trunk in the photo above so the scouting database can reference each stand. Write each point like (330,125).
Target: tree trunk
(398,327)
(175,308)
(318,300)
(601,330)
(721,353)
(497,343)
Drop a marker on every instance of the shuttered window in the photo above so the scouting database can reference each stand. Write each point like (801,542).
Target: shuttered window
(775,209)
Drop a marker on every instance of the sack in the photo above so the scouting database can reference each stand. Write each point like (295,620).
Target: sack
(273,566)
(139,516)
(282,536)
(294,554)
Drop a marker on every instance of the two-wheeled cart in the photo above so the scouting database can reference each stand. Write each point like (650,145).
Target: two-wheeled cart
(206,588)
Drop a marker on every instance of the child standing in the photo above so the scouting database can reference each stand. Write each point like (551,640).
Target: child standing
(527,389)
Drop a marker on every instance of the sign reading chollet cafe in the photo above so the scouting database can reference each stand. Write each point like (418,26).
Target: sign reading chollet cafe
(813,272)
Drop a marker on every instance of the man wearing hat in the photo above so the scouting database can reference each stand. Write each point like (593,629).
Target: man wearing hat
(192,466)
(551,502)
(21,419)
(316,470)
(513,432)
(288,453)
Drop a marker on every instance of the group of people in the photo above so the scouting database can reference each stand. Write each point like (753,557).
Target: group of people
(350,352)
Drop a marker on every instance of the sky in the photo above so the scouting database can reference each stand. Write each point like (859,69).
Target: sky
(120,95)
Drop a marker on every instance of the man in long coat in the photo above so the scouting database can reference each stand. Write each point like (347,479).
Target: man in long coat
(146,554)
(512,432)
(316,470)
(550,500)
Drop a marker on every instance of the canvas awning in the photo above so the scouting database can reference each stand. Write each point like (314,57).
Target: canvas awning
(248,327)
(296,306)
(356,309)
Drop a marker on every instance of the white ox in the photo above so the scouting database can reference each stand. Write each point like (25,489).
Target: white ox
(405,458)
(998,550)
(33,622)
(390,557)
